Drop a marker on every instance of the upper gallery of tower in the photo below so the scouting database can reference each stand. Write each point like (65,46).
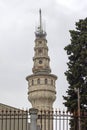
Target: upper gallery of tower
(41,59)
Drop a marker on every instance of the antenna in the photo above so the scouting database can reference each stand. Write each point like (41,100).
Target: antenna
(40,20)
(40,32)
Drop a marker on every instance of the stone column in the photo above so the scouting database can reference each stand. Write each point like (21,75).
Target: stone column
(33,118)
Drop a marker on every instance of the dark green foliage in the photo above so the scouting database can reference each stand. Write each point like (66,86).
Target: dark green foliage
(77,67)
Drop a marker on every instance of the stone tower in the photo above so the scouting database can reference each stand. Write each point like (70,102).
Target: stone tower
(41,84)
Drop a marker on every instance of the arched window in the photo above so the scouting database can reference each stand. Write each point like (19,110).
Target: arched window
(32,82)
(38,81)
(51,82)
(45,81)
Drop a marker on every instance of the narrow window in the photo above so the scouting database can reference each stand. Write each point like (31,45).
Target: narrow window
(51,82)
(32,82)
(45,81)
(38,81)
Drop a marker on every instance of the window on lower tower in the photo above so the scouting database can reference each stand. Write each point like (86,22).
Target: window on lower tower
(38,81)
(32,82)
(51,82)
(45,81)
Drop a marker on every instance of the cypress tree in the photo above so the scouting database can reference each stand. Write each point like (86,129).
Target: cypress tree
(76,73)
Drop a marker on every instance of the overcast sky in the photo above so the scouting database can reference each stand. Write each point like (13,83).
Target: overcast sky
(18,19)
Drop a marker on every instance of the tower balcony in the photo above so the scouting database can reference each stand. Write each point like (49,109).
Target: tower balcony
(40,69)
(41,56)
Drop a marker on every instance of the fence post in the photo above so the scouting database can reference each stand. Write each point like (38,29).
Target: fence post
(33,118)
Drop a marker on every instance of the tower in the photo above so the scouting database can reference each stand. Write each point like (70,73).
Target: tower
(41,84)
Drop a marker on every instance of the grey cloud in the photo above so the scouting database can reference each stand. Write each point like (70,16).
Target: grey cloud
(17,27)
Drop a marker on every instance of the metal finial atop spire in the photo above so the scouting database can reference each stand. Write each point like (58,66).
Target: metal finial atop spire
(40,20)
(40,32)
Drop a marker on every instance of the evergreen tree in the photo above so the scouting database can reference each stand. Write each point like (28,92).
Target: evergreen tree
(77,69)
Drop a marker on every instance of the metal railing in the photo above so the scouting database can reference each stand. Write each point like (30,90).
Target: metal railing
(54,120)
(13,120)
(40,120)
